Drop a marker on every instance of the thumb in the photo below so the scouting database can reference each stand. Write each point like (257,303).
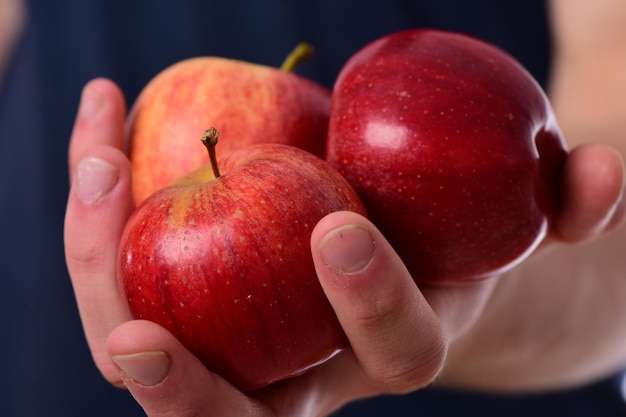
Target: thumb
(395,335)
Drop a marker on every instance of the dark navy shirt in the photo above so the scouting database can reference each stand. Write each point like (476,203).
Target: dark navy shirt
(45,364)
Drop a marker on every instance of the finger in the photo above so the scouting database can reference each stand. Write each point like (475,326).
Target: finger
(396,337)
(99,121)
(167,380)
(593,190)
(98,205)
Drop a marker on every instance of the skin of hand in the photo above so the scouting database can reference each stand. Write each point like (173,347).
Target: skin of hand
(559,319)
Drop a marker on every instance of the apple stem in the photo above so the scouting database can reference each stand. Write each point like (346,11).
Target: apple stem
(301,53)
(209,140)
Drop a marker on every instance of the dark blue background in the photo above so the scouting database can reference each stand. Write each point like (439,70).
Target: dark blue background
(45,364)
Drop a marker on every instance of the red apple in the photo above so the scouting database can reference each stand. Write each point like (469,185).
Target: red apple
(225,264)
(452,147)
(253,103)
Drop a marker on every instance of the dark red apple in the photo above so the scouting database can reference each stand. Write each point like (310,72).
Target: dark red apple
(452,147)
(225,264)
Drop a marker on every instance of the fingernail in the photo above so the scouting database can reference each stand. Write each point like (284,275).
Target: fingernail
(145,368)
(347,249)
(91,103)
(95,178)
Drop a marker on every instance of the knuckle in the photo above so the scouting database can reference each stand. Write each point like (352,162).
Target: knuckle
(86,260)
(406,341)
(383,312)
(86,254)
(414,372)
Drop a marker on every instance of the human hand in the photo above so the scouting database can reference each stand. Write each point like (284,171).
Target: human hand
(398,342)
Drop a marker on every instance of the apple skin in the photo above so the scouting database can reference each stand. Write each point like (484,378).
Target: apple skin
(225,264)
(452,147)
(252,103)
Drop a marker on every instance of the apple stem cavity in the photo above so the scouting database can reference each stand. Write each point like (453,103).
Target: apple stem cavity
(209,140)
(301,53)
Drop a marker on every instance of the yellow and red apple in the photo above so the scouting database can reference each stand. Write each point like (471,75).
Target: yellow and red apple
(249,103)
